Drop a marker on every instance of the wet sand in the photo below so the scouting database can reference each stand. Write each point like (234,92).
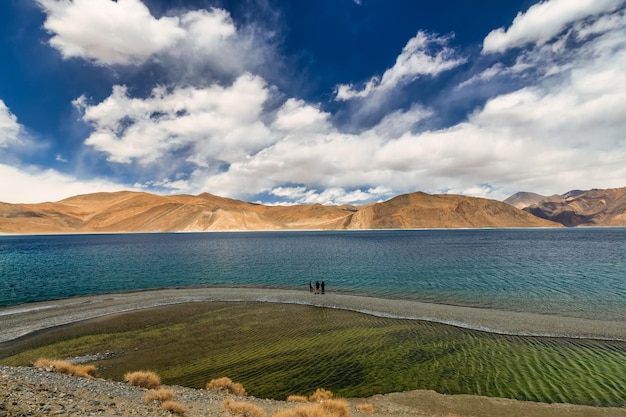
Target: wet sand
(21,320)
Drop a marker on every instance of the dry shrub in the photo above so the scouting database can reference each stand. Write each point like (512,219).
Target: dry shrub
(336,408)
(161,394)
(365,408)
(43,363)
(173,407)
(243,409)
(86,371)
(320,395)
(225,384)
(67,367)
(309,410)
(297,399)
(143,379)
(329,408)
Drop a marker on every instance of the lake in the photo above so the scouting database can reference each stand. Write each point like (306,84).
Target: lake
(571,272)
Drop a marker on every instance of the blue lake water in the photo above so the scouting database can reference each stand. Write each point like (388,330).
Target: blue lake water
(568,272)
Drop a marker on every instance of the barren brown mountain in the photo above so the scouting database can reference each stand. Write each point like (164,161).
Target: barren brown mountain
(128,211)
(589,208)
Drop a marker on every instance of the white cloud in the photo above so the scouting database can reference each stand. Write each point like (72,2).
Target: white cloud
(397,123)
(485,76)
(602,25)
(544,21)
(9,127)
(329,196)
(423,54)
(296,115)
(122,32)
(35,185)
(205,124)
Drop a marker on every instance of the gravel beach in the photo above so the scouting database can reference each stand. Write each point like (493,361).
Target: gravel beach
(26,391)
(17,321)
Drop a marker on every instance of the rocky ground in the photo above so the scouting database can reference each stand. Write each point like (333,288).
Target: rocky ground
(27,391)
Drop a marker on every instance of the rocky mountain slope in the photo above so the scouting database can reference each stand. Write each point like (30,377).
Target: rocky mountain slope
(584,208)
(142,212)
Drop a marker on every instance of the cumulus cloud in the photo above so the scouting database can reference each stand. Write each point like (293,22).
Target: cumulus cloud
(122,32)
(424,54)
(34,185)
(543,21)
(187,45)
(202,124)
(329,196)
(9,127)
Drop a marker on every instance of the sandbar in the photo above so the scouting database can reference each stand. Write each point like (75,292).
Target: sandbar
(21,320)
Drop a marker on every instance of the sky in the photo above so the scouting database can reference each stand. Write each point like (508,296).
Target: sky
(311,101)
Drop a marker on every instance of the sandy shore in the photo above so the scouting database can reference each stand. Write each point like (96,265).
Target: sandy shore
(17,321)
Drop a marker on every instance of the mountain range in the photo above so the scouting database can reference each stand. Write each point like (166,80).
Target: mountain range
(576,207)
(129,212)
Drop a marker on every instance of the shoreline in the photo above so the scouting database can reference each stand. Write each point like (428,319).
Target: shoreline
(24,319)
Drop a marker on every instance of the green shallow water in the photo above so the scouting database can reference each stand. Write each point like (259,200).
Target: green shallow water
(276,350)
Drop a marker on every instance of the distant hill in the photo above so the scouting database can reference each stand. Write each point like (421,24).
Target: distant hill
(524,199)
(584,208)
(129,212)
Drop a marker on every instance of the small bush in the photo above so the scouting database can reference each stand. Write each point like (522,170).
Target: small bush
(173,407)
(243,409)
(161,394)
(67,367)
(309,410)
(365,408)
(335,408)
(225,384)
(297,399)
(329,408)
(320,395)
(43,363)
(143,379)
(86,371)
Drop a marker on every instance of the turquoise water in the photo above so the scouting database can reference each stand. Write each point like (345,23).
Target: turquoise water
(569,272)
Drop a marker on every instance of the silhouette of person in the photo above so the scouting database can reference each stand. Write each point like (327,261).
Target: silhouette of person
(317,287)
(323,287)
(310,285)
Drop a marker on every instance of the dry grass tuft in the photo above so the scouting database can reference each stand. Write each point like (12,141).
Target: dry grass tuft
(329,408)
(143,379)
(367,408)
(225,384)
(43,363)
(67,367)
(320,395)
(336,408)
(309,410)
(297,399)
(161,394)
(243,409)
(173,407)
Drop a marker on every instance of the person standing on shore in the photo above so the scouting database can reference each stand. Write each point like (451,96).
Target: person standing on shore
(323,287)
(310,285)
(317,287)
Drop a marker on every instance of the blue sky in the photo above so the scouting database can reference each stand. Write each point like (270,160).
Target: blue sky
(311,101)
